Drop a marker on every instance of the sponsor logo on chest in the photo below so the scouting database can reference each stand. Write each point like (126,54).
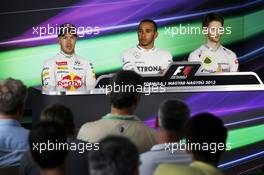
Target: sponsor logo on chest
(61,63)
(71,82)
(149,68)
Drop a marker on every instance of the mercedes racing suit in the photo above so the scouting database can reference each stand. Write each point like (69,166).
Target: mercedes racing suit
(219,60)
(142,61)
(67,72)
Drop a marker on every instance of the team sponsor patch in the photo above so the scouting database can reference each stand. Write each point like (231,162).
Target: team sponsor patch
(137,55)
(45,74)
(77,63)
(78,68)
(61,63)
(149,68)
(62,68)
(207,60)
(208,71)
(223,67)
(63,72)
(70,82)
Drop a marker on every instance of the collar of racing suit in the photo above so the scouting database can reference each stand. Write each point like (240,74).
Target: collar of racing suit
(67,55)
(145,50)
(211,49)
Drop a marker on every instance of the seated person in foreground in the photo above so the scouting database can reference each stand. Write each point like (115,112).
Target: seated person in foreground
(212,55)
(50,161)
(203,130)
(172,116)
(13,137)
(121,119)
(116,156)
(76,162)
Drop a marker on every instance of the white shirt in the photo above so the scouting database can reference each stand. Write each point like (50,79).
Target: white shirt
(158,154)
(67,72)
(146,61)
(211,59)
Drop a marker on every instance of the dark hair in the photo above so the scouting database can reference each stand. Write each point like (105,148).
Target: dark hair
(61,114)
(206,128)
(13,94)
(116,156)
(212,17)
(67,28)
(128,82)
(48,132)
(151,21)
(173,114)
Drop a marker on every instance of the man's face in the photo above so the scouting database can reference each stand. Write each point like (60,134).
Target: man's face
(214,31)
(146,35)
(67,43)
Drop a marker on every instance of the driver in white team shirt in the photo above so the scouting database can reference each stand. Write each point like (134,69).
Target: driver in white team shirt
(212,55)
(145,58)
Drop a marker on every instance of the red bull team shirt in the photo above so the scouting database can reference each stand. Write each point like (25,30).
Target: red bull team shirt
(67,72)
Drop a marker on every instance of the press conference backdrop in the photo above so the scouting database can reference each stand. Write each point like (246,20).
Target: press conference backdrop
(27,38)
(107,28)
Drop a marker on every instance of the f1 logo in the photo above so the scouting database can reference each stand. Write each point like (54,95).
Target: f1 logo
(182,72)
(187,70)
(178,70)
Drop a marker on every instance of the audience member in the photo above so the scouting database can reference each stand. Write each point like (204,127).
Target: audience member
(76,163)
(44,139)
(121,119)
(171,119)
(117,156)
(13,137)
(206,139)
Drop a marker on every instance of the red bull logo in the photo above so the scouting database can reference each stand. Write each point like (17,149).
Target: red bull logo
(70,82)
